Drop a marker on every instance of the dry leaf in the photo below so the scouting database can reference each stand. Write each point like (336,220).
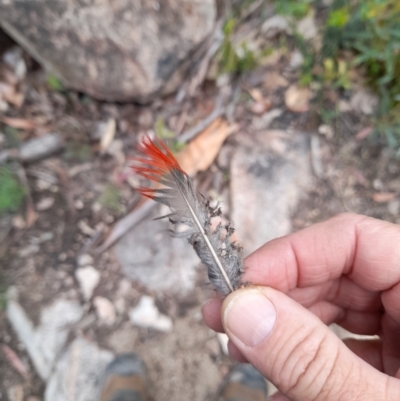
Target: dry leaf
(256,94)
(122,226)
(363,133)
(107,135)
(31,216)
(201,152)
(274,81)
(19,123)
(382,197)
(297,99)
(15,361)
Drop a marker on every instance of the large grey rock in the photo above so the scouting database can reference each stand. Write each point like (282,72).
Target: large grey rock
(44,342)
(151,256)
(78,372)
(113,50)
(268,177)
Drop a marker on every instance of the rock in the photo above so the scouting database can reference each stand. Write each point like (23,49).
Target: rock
(297,99)
(147,315)
(307,28)
(88,278)
(327,131)
(18,222)
(276,25)
(264,121)
(151,256)
(394,207)
(39,148)
(119,50)
(296,60)
(364,101)
(44,342)
(84,228)
(15,60)
(28,250)
(16,393)
(78,373)
(45,204)
(105,310)
(268,177)
(84,260)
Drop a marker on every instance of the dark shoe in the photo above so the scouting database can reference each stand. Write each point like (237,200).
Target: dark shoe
(244,383)
(125,379)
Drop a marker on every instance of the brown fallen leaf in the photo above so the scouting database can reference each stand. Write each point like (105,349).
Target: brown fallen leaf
(297,99)
(382,197)
(273,81)
(363,133)
(256,94)
(15,361)
(200,153)
(19,123)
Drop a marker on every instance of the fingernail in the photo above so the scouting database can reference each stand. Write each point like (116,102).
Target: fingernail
(250,317)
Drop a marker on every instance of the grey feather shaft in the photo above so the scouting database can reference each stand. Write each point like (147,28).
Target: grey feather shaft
(207,241)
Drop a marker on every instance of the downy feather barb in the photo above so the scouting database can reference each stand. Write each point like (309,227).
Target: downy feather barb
(175,189)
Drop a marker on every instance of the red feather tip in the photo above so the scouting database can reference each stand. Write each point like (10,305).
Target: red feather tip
(159,161)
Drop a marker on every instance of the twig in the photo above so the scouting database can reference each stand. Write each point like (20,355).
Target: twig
(121,227)
(201,126)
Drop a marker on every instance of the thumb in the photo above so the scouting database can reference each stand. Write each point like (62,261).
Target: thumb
(293,349)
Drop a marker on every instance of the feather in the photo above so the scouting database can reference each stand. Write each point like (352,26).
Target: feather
(175,189)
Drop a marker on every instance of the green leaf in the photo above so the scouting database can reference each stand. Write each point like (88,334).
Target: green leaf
(338,18)
(12,192)
(54,83)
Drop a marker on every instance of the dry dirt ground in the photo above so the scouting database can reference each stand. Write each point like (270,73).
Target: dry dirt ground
(77,194)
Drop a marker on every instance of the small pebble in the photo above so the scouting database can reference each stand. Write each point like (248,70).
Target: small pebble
(85,260)
(44,204)
(79,205)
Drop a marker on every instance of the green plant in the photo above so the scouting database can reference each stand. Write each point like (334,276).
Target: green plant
(110,198)
(371,29)
(11,191)
(77,151)
(164,133)
(233,57)
(294,8)
(54,83)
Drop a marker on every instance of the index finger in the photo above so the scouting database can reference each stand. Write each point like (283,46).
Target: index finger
(365,249)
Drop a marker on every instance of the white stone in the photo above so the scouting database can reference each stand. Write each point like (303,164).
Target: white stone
(266,119)
(394,207)
(364,101)
(105,310)
(147,315)
(275,25)
(88,278)
(45,203)
(307,28)
(296,60)
(78,373)
(85,260)
(44,342)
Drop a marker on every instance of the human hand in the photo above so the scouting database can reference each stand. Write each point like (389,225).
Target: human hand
(345,270)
